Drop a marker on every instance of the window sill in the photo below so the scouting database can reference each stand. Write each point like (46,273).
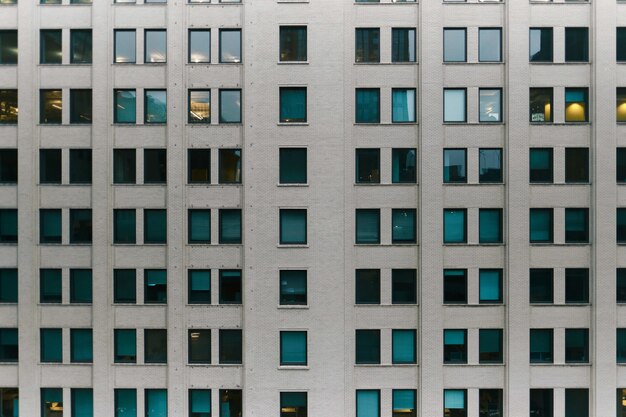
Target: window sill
(8,304)
(472,305)
(385,184)
(293,62)
(473,124)
(207,305)
(560,305)
(292,124)
(474,245)
(559,244)
(293,185)
(455,63)
(292,307)
(215,365)
(293,368)
(205,185)
(384,305)
(282,245)
(562,365)
(560,63)
(405,63)
(387,124)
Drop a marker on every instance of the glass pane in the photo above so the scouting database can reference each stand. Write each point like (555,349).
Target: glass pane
(51,402)
(199,46)
(454,105)
(403,226)
(621,345)
(621,285)
(80,226)
(490,105)
(541,45)
(80,166)
(199,403)
(541,225)
(51,106)
(403,403)
(156,403)
(155,286)
(293,289)
(230,166)
(454,227)
(50,285)
(489,48)
(124,286)
(403,286)
(230,45)
(230,287)
(125,46)
(367,346)
(51,345)
(403,342)
(49,226)
(541,402)
(199,170)
(403,105)
(621,225)
(8,285)
(454,346)
(367,286)
(454,399)
(80,286)
(455,286)
(156,46)
(576,345)
(621,105)
(490,286)
(155,226)
(403,166)
(454,45)
(125,106)
(8,345)
(9,402)
(367,105)
(8,225)
(541,286)
(50,166)
(125,402)
(8,46)
(490,346)
(576,225)
(199,346)
(125,345)
(490,165)
(576,105)
(620,43)
(402,45)
(8,105)
(541,105)
(51,51)
(576,44)
(454,166)
(8,166)
(293,350)
(367,165)
(230,402)
(293,43)
(367,403)
(541,345)
(293,227)
(230,106)
(490,226)
(577,165)
(577,402)
(199,286)
(199,226)
(292,104)
(367,47)
(124,166)
(199,106)
(293,165)
(490,403)
(293,404)
(230,226)
(155,102)
(368,226)
(231,346)
(81,345)
(154,166)
(155,343)
(541,165)
(80,45)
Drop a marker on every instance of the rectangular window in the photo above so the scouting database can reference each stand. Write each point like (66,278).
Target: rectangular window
(620,112)
(80,166)
(541,286)
(490,226)
(230,402)
(50,166)
(577,402)
(50,48)
(125,342)
(454,105)
(80,226)
(455,403)
(230,286)
(80,286)
(125,106)
(124,286)
(403,403)
(403,103)
(576,105)
(293,105)
(49,225)
(620,44)
(230,106)
(199,346)
(367,403)
(51,342)
(230,45)
(293,43)
(51,402)
(576,225)
(81,345)
(490,403)
(367,105)
(367,45)
(199,106)
(8,345)
(576,285)
(403,45)
(489,45)
(9,401)
(490,166)
(199,166)
(367,165)
(155,286)
(8,285)
(230,226)
(8,47)
(50,286)
(490,105)
(8,166)
(125,402)
(367,226)
(454,226)
(125,46)
(576,345)
(490,346)
(490,286)
(620,276)
(403,346)
(230,166)
(80,46)
(576,165)
(155,106)
(541,225)
(293,165)
(455,286)
(403,165)
(293,288)
(540,44)
(199,46)
(231,346)
(576,44)
(155,46)
(541,165)
(293,226)
(8,104)
(199,286)
(154,166)
(50,106)
(156,402)
(293,348)
(293,404)
(454,45)
(367,344)
(155,226)
(541,346)
(367,286)
(199,226)
(8,225)
(199,403)
(541,402)
(621,225)
(455,346)
(454,166)
(155,345)
(621,345)
(403,228)
(403,286)
(541,105)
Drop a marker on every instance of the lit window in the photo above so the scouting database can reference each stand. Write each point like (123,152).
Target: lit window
(576,105)
(155,106)
(8,105)
(620,113)
(293,43)
(293,105)
(293,348)
(155,46)
(367,48)
(50,106)
(489,45)
(199,106)
(540,45)
(50,46)
(51,402)
(293,404)
(541,105)
(403,403)
(125,46)
(490,105)
(454,45)
(230,45)
(454,105)
(199,46)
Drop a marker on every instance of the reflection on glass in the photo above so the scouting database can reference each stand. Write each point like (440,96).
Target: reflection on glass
(125,46)
(52,402)
(454,45)
(8,106)
(50,110)
(292,104)
(50,46)
(230,45)
(454,105)
(230,106)
(402,45)
(490,105)
(621,105)
(8,46)
(199,106)
(540,45)
(80,46)
(293,45)
(575,104)
(454,164)
(155,102)
(540,105)
(490,165)
(403,105)
(489,49)
(80,106)
(125,106)
(156,46)
(199,45)
(367,47)
(42,1)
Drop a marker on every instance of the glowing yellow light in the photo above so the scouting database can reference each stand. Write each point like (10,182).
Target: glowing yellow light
(547,112)
(621,112)
(575,112)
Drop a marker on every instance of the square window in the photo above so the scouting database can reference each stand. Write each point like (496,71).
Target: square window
(199,166)
(403,228)
(50,286)
(540,45)
(367,403)
(199,346)
(293,166)
(293,43)
(125,341)
(230,226)
(81,345)
(8,47)
(403,103)
(620,285)
(454,226)
(125,402)
(620,112)
(155,46)
(49,225)
(199,403)
(124,286)
(230,45)
(367,165)
(541,165)
(576,105)
(367,286)
(230,106)
(199,46)
(51,346)
(541,346)
(125,46)
(576,165)
(403,403)
(80,226)
(367,226)
(367,346)
(156,399)
(490,346)
(576,44)
(155,106)
(621,225)
(455,286)
(8,166)
(231,402)
(8,225)
(454,105)
(455,346)
(8,285)
(541,105)
(51,402)
(541,286)
(454,166)
(154,166)
(80,166)
(490,286)
(230,286)
(576,225)
(576,285)
(80,46)
(199,106)
(403,165)
(367,105)
(293,404)
(81,286)
(155,226)
(155,345)
(293,226)
(403,286)
(50,46)
(125,106)
(541,225)
(293,287)
(490,403)
(403,45)
(576,345)
(454,45)
(577,402)
(80,106)
(293,105)
(50,166)
(367,45)
(199,226)
(403,346)
(490,225)
(490,104)
(490,166)
(489,45)
(199,286)
(230,166)
(124,226)
(155,286)
(231,346)
(293,348)
(50,106)
(541,402)
(8,103)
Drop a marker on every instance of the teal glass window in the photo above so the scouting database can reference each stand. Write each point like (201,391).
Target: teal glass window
(8,345)
(51,402)
(541,286)
(155,345)
(403,165)
(293,43)
(576,286)
(454,226)
(541,346)
(199,346)
(154,166)
(199,286)
(367,45)
(621,225)
(230,286)
(455,286)
(403,286)
(293,404)
(231,347)
(455,402)
(576,105)
(620,44)
(80,106)
(80,46)
(454,105)
(541,225)
(230,226)
(8,164)
(199,105)
(403,403)
(51,345)
(367,164)
(8,102)
(199,226)
(490,166)
(490,286)
(455,346)
(293,105)
(230,106)
(454,166)
(124,226)
(199,166)
(540,45)
(293,166)
(541,169)
(403,226)
(293,227)
(50,166)
(576,165)
(490,346)
(367,226)
(454,45)
(367,403)
(293,348)
(8,47)
(367,343)
(124,286)
(620,290)
(125,106)
(199,46)
(9,401)
(490,403)
(489,45)
(541,402)
(124,163)
(230,45)
(576,345)
(125,46)
(125,345)
(155,106)
(155,286)
(50,286)
(576,225)
(403,45)
(576,402)
(490,225)
(82,402)
(50,226)
(490,105)
(50,49)
(50,106)
(8,285)
(293,288)
(367,286)
(403,346)
(199,403)
(367,105)
(154,226)
(125,402)
(621,345)
(80,166)
(156,402)
(230,402)
(230,166)
(8,225)
(403,103)
(576,44)
(80,226)
(155,46)
(81,345)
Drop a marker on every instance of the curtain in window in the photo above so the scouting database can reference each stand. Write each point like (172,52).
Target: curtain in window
(82,402)
(540,342)
(292,104)
(576,224)
(489,285)
(540,225)
(155,226)
(293,282)
(454,226)
(403,45)
(293,399)
(293,348)
(51,345)
(403,346)
(367,45)
(368,105)
(156,403)
(200,280)
(82,345)
(575,105)
(489,340)
(403,399)
(125,343)
(125,403)
(51,224)
(454,337)
(200,400)
(125,226)
(368,403)
(403,103)
(50,285)
(293,226)
(200,229)
(454,398)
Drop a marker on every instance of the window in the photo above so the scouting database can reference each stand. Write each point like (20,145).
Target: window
(541,346)
(124,286)
(541,225)
(230,166)
(367,45)
(8,285)
(8,104)
(155,345)
(403,45)
(455,346)
(80,166)
(454,166)
(367,105)
(125,402)
(155,226)
(50,346)
(367,286)
(231,346)
(230,45)
(8,345)
(50,286)
(541,105)
(230,106)
(620,113)
(541,402)
(199,169)
(403,403)
(454,45)
(293,348)
(125,341)
(403,166)
(293,404)
(403,346)
(621,345)
(154,166)
(403,226)
(293,105)
(81,346)
(230,226)
(403,286)
(621,44)
(455,226)
(367,165)
(541,167)
(155,106)
(155,44)
(576,285)
(540,45)
(367,226)
(490,105)
(50,107)
(621,285)
(293,165)
(367,347)
(125,46)
(80,46)
(155,286)
(490,225)
(293,43)
(490,346)
(8,166)
(199,403)
(621,225)
(490,166)
(455,402)
(8,225)
(576,165)
(576,225)
(199,46)
(455,286)
(199,106)
(125,106)
(576,105)
(489,45)
(156,402)
(490,403)
(50,46)
(230,287)
(124,226)
(50,166)
(9,400)
(199,346)
(293,288)
(403,105)
(49,226)
(577,402)
(454,105)
(51,402)
(8,47)
(490,286)
(576,345)
(230,402)
(293,227)
(576,44)
(541,286)
(80,226)
(199,286)
(367,403)
(80,286)
(199,226)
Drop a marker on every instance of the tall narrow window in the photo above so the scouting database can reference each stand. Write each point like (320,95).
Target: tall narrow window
(368,226)
(455,346)
(403,346)
(8,104)
(621,345)
(490,225)
(231,346)
(80,166)
(230,45)
(620,43)
(52,402)
(490,346)
(541,286)
(489,45)
(155,46)
(576,105)
(403,226)
(199,230)
(541,105)
(576,225)
(541,402)
(455,226)
(156,402)
(576,165)
(403,286)
(8,225)
(50,166)
(541,346)
(230,402)
(230,226)
(8,47)
(230,286)
(293,348)
(293,105)
(454,105)
(81,345)
(576,44)
(403,403)
(367,165)
(490,403)
(80,106)
(124,286)
(620,290)
(620,112)
(403,169)
(454,45)
(51,51)
(541,225)
(51,345)
(403,105)
(154,166)
(50,286)
(155,345)
(125,46)
(455,286)
(199,286)
(367,105)
(125,402)
(199,403)
(293,404)
(199,166)
(454,166)
(124,226)
(199,46)
(155,106)
(80,46)
(155,286)
(50,106)
(403,45)
(293,43)
(293,226)
(154,226)
(367,45)
(199,106)
(8,285)
(199,346)
(367,346)
(541,165)
(454,402)
(293,166)
(125,345)
(367,286)
(230,106)
(489,166)
(367,403)
(621,225)
(576,345)
(49,226)
(293,287)
(490,286)
(125,106)
(80,226)
(124,163)
(9,401)
(8,166)
(577,402)
(81,286)
(540,45)
(490,105)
